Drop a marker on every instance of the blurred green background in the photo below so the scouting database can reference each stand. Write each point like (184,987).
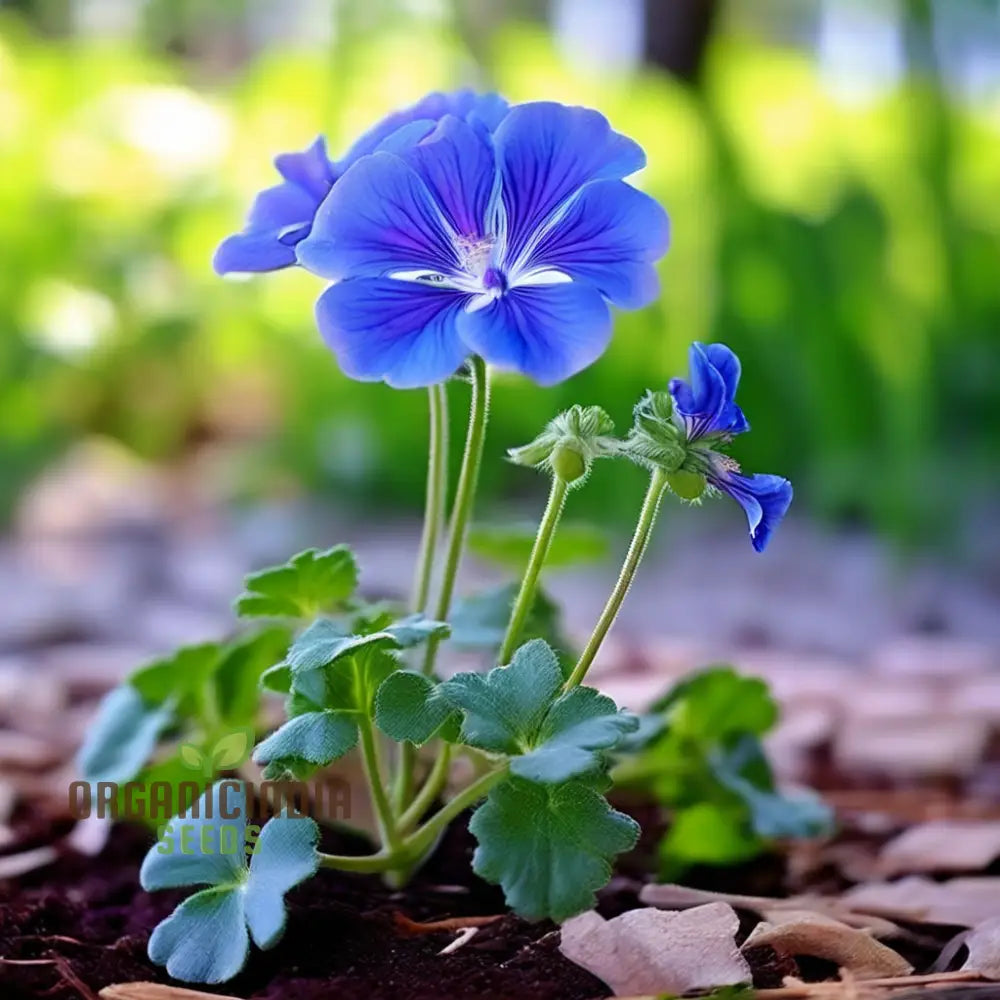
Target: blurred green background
(832,172)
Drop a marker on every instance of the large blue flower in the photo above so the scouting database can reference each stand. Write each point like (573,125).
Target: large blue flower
(283,215)
(705,411)
(508,245)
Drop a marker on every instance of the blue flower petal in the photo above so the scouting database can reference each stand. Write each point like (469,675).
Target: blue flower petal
(379,218)
(400,331)
(489,108)
(608,236)
(310,170)
(764,498)
(547,332)
(456,163)
(706,404)
(546,152)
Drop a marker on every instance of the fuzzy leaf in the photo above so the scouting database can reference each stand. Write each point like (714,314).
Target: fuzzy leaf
(549,846)
(517,711)
(179,675)
(122,738)
(206,938)
(315,738)
(411,707)
(238,674)
(308,584)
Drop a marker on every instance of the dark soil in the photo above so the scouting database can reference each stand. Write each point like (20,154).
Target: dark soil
(89,921)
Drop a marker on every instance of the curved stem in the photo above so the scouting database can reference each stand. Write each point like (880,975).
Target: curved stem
(437,488)
(429,792)
(365,864)
(464,497)
(422,839)
(529,584)
(434,513)
(636,550)
(373,773)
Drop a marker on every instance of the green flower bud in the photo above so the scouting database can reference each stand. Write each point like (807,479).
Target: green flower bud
(568,462)
(687,485)
(570,443)
(655,440)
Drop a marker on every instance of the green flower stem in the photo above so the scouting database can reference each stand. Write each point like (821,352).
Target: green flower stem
(437,489)
(432,787)
(373,773)
(636,550)
(434,511)
(465,495)
(539,552)
(422,839)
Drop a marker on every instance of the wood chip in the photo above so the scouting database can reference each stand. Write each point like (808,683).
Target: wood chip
(650,951)
(822,937)
(465,935)
(16,865)
(984,950)
(942,845)
(961,902)
(90,836)
(156,991)
(414,928)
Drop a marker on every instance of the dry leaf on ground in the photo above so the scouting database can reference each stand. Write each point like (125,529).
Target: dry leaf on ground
(822,937)
(942,845)
(676,897)
(962,902)
(653,951)
(156,991)
(15,865)
(984,949)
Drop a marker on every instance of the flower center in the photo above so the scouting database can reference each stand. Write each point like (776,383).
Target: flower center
(475,255)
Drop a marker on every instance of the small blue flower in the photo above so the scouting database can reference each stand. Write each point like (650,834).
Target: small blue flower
(507,244)
(705,411)
(282,216)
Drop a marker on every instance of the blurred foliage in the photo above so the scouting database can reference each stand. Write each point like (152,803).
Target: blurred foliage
(848,253)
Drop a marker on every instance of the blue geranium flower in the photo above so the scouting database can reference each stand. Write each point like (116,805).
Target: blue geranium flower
(507,244)
(283,215)
(705,412)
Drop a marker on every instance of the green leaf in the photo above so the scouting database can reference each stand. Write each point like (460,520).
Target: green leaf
(517,711)
(325,642)
(206,939)
(180,676)
(706,833)
(238,674)
(717,703)
(510,545)
(277,678)
(313,738)
(549,846)
(308,584)
(411,707)
(123,737)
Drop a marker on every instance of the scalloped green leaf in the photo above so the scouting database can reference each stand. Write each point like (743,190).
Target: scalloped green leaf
(518,711)
(549,847)
(411,707)
(206,939)
(309,584)
(312,738)
(123,736)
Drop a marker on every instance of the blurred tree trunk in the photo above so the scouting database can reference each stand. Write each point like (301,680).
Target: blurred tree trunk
(677,34)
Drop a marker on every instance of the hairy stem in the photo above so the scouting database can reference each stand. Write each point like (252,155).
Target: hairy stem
(365,864)
(436,496)
(636,550)
(373,773)
(464,497)
(539,552)
(431,789)
(434,514)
